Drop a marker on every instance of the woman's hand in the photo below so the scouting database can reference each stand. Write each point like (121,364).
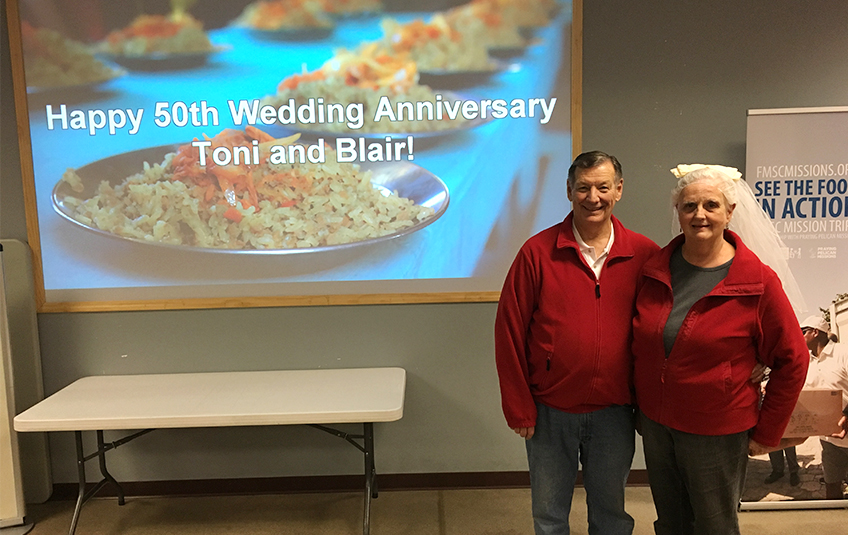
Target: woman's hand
(524,432)
(843,424)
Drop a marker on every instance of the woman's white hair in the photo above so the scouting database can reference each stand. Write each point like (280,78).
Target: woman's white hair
(717,177)
(749,220)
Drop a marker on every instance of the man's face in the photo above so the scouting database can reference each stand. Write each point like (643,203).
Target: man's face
(594,194)
(810,336)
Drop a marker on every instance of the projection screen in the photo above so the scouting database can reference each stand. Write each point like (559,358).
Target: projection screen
(218,153)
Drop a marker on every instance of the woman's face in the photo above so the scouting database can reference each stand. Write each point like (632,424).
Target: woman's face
(703,212)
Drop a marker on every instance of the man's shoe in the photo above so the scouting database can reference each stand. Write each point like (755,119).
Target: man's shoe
(794,479)
(774,476)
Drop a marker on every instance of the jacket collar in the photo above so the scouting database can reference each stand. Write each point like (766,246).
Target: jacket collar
(621,246)
(744,277)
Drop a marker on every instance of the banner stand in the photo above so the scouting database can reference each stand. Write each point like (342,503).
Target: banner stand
(793,504)
(12,507)
(796,165)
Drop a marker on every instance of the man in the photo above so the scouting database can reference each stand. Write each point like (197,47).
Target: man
(776,460)
(562,347)
(829,369)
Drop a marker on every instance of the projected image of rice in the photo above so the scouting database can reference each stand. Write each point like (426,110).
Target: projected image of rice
(364,78)
(284,206)
(51,60)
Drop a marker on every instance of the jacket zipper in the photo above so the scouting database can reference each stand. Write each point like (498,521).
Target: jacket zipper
(597,336)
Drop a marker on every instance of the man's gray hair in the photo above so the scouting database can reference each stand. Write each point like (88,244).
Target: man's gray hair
(591,159)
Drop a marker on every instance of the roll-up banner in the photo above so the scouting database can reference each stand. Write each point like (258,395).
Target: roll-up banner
(12,507)
(797,166)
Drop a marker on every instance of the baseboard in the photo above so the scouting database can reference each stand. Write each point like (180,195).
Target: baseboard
(299,484)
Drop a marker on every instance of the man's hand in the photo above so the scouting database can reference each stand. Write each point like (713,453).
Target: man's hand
(759,372)
(843,424)
(755,448)
(524,432)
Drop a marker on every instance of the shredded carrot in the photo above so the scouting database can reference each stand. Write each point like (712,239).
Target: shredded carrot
(492,19)
(237,183)
(273,14)
(152,26)
(233,214)
(296,79)
(370,67)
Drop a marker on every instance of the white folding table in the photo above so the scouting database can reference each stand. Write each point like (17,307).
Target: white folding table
(220,399)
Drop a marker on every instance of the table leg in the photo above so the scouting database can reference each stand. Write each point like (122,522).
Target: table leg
(101,454)
(102,448)
(367,448)
(370,476)
(81,475)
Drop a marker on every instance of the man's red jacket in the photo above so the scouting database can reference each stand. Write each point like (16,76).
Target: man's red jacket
(561,337)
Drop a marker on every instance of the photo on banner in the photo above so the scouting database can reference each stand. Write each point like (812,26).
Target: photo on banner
(246,153)
(797,166)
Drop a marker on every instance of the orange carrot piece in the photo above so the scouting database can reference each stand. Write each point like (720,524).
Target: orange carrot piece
(233,214)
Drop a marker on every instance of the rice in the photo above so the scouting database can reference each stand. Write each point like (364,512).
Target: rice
(352,7)
(481,23)
(524,13)
(362,77)
(51,60)
(285,14)
(294,206)
(158,34)
(435,45)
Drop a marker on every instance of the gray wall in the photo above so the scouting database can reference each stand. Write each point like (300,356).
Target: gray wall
(452,419)
(669,82)
(664,83)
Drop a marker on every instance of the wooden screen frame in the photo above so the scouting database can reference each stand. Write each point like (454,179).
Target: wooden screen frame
(34,238)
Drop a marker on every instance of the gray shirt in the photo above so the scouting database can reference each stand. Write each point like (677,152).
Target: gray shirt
(689,283)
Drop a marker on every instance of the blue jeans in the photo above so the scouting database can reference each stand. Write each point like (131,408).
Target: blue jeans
(696,480)
(603,442)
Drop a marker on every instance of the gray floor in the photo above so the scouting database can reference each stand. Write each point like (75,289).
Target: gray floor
(444,512)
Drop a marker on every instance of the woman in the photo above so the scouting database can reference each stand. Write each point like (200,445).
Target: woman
(707,310)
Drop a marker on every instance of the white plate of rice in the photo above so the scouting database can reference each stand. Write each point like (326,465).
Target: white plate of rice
(56,64)
(305,33)
(133,197)
(74,89)
(460,79)
(163,61)
(287,20)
